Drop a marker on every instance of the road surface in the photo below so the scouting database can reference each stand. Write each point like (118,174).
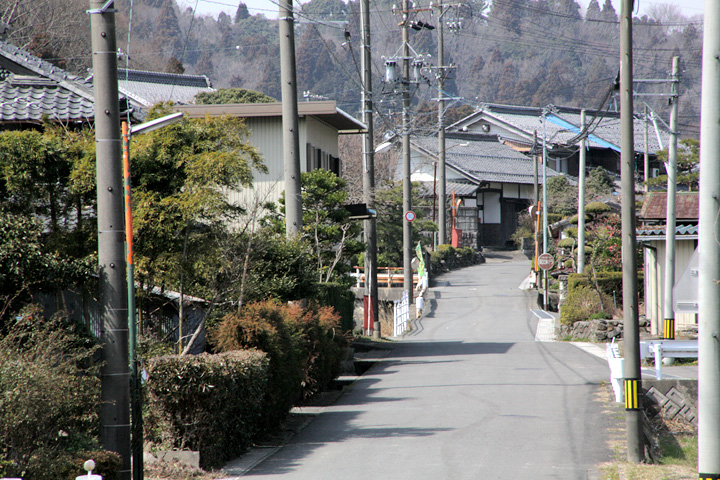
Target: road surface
(469,394)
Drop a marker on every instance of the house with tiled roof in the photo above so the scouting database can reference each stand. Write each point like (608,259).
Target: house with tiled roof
(651,235)
(32,90)
(495,181)
(319,126)
(522,127)
(148,88)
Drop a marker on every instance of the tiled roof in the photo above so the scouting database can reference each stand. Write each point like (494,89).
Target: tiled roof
(461,189)
(26,99)
(562,125)
(149,88)
(686,206)
(484,159)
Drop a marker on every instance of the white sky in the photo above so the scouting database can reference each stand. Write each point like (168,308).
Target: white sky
(270,9)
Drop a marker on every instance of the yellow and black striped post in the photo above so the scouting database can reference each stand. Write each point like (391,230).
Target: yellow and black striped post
(669,331)
(709,476)
(632,394)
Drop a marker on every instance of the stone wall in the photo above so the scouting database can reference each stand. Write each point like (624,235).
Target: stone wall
(598,330)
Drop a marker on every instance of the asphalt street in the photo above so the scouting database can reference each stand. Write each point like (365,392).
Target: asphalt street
(468,394)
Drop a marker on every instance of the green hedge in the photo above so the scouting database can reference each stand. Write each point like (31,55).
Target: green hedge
(341,299)
(208,403)
(610,283)
(303,346)
(446,257)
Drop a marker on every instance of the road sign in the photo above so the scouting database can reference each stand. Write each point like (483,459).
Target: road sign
(409,215)
(546,261)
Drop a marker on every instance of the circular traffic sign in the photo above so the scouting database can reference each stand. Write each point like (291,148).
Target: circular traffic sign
(409,215)
(545,261)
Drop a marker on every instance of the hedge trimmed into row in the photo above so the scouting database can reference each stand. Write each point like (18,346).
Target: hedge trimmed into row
(446,257)
(208,403)
(610,283)
(303,345)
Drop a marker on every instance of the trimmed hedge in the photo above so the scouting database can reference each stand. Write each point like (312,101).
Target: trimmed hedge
(208,403)
(303,346)
(446,257)
(341,299)
(609,283)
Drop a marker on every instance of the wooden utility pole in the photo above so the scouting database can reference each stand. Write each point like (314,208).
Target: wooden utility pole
(113,301)
(631,328)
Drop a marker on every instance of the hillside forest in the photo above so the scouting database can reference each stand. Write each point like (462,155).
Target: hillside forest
(519,52)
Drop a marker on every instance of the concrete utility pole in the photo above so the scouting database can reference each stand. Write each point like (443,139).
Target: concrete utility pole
(646,156)
(442,183)
(631,330)
(581,198)
(407,186)
(113,302)
(671,167)
(371,288)
(291,137)
(709,251)
(544,209)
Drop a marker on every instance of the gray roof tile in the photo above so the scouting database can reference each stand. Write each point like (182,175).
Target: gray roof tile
(484,158)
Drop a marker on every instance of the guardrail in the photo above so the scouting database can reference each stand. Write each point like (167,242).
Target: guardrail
(386,276)
(659,349)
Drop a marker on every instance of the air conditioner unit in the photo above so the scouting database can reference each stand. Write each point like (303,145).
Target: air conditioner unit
(654,172)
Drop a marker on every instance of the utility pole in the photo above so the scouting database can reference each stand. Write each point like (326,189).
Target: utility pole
(544,209)
(646,156)
(113,301)
(581,198)
(291,138)
(671,167)
(709,251)
(442,208)
(632,378)
(407,186)
(371,288)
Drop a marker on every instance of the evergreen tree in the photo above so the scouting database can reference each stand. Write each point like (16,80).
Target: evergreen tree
(242,12)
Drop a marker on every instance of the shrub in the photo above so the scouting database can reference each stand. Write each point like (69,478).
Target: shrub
(582,302)
(447,257)
(342,299)
(263,326)
(209,403)
(303,346)
(320,338)
(49,396)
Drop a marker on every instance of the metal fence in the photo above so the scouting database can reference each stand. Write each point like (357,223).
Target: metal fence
(401,314)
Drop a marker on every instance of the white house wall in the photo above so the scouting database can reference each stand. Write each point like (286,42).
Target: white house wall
(491,211)
(655,287)
(319,135)
(266,136)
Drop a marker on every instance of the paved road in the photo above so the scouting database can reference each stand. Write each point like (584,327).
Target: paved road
(469,394)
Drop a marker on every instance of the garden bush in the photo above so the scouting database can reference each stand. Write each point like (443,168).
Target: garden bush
(581,303)
(342,299)
(609,283)
(49,397)
(208,403)
(447,257)
(303,346)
